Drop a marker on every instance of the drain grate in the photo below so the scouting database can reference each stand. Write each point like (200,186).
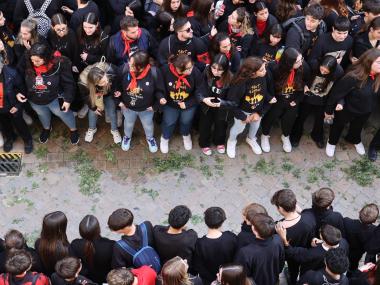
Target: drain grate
(10,163)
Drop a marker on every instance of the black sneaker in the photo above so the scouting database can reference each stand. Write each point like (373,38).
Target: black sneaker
(44,136)
(74,137)
(28,146)
(8,145)
(372,153)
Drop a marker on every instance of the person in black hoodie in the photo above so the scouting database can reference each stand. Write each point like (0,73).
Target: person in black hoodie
(367,39)
(77,16)
(336,264)
(250,91)
(221,43)
(359,89)
(200,16)
(359,232)
(313,258)
(175,240)
(128,40)
(246,236)
(11,109)
(48,77)
(184,85)
(6,34)
(263,259)
(269,48)
(289,76)
(93,41)
(94,251)
(321,81)
(262,21)
(183,42)
(217,78)
(323,212)
(214,249)
(300,228)
(303,34)
(142,92)
(67,273)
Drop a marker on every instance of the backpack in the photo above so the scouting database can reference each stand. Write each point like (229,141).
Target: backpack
(146,255)
(296,22)
(43,21)
(6,279)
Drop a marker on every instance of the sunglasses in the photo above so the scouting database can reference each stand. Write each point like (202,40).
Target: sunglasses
(188,30)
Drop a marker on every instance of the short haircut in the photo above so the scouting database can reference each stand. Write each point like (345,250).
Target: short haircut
(285,199)
(336,260)
(179,23)
(315,10)
(331,235)
(264,225)
(371,6)
(342,24)
(18,261)
(323,198)
(214,217)
(120,276)
(14,239)
(67,267)
(369,214)
(179,216)
(128,22)
(254,208)
(120,219)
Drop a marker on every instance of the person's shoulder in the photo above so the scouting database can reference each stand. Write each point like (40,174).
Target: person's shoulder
(229,235)
(158,229)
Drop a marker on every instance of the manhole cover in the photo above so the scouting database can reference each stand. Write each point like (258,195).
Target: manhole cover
(10,163)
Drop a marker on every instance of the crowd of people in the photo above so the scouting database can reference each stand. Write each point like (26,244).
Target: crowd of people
(319,246)
(212,66)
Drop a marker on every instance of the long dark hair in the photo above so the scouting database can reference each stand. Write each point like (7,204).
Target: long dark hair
(181,12)
(285,66)
(215,44)
(95,38)
(249,66)
(285,10)
(361,68)
(221,60)
(201,9)
(89,230)
(53,243)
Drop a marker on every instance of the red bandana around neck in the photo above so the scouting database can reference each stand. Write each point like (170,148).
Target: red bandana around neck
(180,78)
(42,68)
(127,42)
(231,33)
(133,84)
(372,75)
(228,55)
(291,76)
(261,25)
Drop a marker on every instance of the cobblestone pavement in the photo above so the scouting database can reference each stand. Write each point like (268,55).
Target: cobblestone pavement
(51,180)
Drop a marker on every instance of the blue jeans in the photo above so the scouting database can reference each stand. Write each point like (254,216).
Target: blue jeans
(110,109)
(239,126)
(146,118)
(44,114)
(170,118)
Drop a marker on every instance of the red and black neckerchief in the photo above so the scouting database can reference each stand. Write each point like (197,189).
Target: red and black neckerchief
(133,84)
(180,78)
(127,42)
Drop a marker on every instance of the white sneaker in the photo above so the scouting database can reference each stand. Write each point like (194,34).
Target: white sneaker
(360,148)
(231,148)
(1,140)
(265,146)
(90,135)
(254,145)
(187,143)
(164,145)
(119,118)
(83,112)
(330,149)
(116,136)
(28,119)
(286,145)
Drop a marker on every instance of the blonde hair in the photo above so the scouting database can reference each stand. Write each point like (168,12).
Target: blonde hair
(31,25)
(174,272)
(244,19)
(94,75)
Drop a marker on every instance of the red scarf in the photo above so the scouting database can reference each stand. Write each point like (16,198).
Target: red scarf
(127,42)
(133,84)
(190,14)
(291,76)
(219,83)
(228,55)
(180,78)
(42,68)
(231,33)
(261,25)
(372,75)
(1,95)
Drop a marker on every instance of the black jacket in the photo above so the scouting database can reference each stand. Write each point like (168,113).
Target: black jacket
(94,49)
(321,277)
(12,84)
(362,44)
(67,45)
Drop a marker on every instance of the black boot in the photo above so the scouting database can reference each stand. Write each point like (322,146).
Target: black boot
(8,145)
(372,153)
(28,146)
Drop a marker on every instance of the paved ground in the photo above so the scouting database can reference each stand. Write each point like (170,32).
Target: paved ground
(151,185)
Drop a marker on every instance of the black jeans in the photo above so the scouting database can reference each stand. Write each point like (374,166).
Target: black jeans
(8,121)
(283,110)
(208,118)
(304,111)
(356,122)
(375,142)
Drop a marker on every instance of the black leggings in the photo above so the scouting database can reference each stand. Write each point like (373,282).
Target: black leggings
(356,122)
(283,110)
(213,117)
(8,120)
